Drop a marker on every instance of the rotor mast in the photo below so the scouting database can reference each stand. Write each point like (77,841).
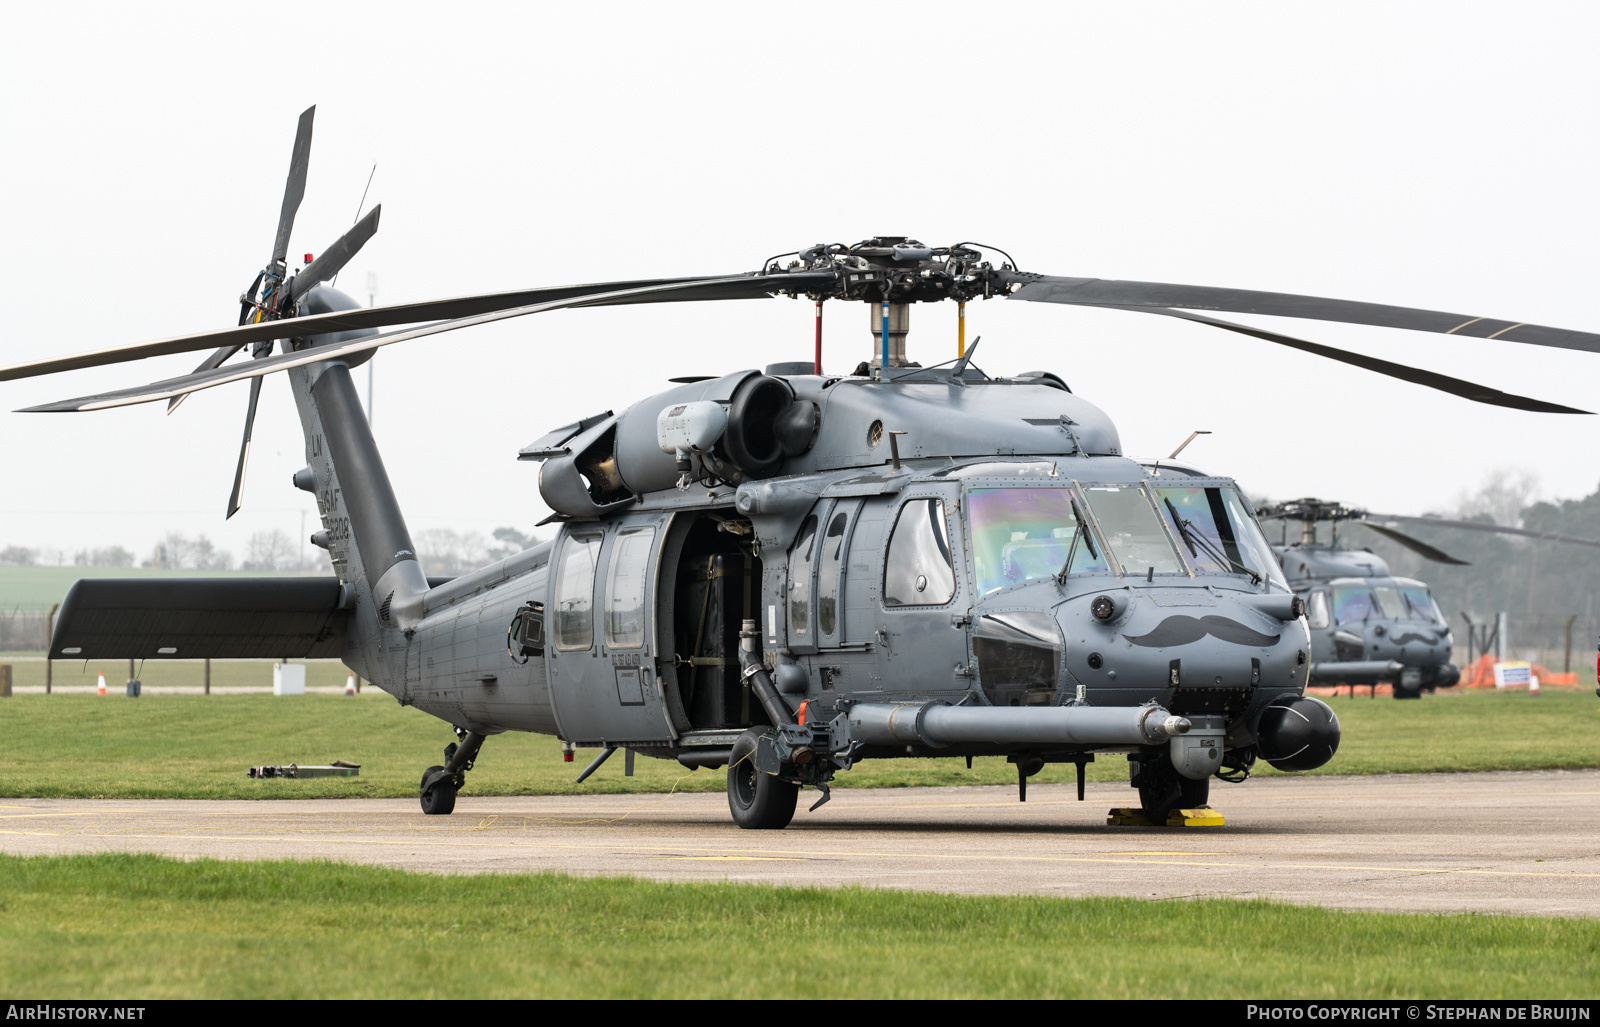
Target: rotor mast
(888,273)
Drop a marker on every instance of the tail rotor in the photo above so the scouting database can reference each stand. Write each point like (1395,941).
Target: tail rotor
(275,295)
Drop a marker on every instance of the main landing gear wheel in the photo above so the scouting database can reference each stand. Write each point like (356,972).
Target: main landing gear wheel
(438,798)
(758,801)
(1162,790)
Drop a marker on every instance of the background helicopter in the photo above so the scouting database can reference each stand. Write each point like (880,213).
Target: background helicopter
(779,571)
(1368,626)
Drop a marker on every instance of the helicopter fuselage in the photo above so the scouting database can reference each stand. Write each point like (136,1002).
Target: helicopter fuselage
(1004,557)
(1368,627)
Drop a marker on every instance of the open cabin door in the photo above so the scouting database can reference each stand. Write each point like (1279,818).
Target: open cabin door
(601,641)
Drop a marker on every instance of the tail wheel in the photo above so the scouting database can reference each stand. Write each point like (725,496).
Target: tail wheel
(758,801)
(439,798)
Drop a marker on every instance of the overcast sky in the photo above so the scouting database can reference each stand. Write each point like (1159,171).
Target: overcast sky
(1434,155)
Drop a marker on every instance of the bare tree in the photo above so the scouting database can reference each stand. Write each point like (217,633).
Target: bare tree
(510,542)
(1504,494)
(18,556)
(442,551)
(270,551)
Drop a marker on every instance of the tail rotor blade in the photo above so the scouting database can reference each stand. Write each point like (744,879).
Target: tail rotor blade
(294,190)
(336,256)
(244,448)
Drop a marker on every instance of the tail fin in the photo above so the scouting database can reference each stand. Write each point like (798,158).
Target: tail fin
(365,533)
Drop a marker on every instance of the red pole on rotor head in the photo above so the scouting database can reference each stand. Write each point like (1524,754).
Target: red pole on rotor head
(818,362)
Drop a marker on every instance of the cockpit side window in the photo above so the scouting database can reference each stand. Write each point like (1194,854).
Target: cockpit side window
(918,570)
(1317,610)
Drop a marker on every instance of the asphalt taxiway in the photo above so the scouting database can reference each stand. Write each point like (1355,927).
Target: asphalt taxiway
(1505,843)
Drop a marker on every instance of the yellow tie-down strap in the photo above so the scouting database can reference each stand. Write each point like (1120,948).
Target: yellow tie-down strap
(1203,817)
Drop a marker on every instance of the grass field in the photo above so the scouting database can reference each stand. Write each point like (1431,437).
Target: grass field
(130,926)
(75,675)
(38,587)
(196,746)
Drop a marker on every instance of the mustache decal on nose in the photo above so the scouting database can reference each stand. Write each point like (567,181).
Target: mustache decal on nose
(1181,630)
(1412,636)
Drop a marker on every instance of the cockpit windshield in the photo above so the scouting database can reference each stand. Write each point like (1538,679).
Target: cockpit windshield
(1352,604)
(1129,525)
(1420,605)
(1389,602)
(1022,533)
(1219,535)
(1025,533)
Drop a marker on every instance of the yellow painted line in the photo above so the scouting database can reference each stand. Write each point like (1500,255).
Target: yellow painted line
(752,859)
(803,854)
(1462,325)
(1166,854)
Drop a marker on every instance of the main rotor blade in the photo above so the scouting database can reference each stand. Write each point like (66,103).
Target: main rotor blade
(1440,522)
(1100,292)
(294,190)
(1415,545)
(664,290)
(334,351)
(334,258)
(235,497)
(1417,376)
(214,360)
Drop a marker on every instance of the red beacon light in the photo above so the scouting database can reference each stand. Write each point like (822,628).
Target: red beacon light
(308,258)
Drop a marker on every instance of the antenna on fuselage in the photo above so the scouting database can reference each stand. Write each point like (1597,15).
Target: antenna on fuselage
(1192,436)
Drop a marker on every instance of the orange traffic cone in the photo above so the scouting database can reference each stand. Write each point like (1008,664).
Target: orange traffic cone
(1533,684)
(102,689)
(350,685)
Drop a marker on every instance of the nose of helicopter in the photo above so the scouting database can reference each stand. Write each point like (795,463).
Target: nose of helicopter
(1410,642)
(1182,643)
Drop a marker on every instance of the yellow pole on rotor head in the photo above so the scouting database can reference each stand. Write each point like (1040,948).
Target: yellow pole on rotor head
(961,328)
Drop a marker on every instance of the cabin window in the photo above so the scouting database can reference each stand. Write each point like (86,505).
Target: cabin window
(830,560)
(525,638)
(575,593)
(918,570)
(1317,610)
(800,579)
(1021,534)
(625,588)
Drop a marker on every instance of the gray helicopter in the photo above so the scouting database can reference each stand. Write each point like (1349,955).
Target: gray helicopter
(1368,626)
(781,571)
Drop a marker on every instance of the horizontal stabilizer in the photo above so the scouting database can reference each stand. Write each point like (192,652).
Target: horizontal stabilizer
(201,618)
